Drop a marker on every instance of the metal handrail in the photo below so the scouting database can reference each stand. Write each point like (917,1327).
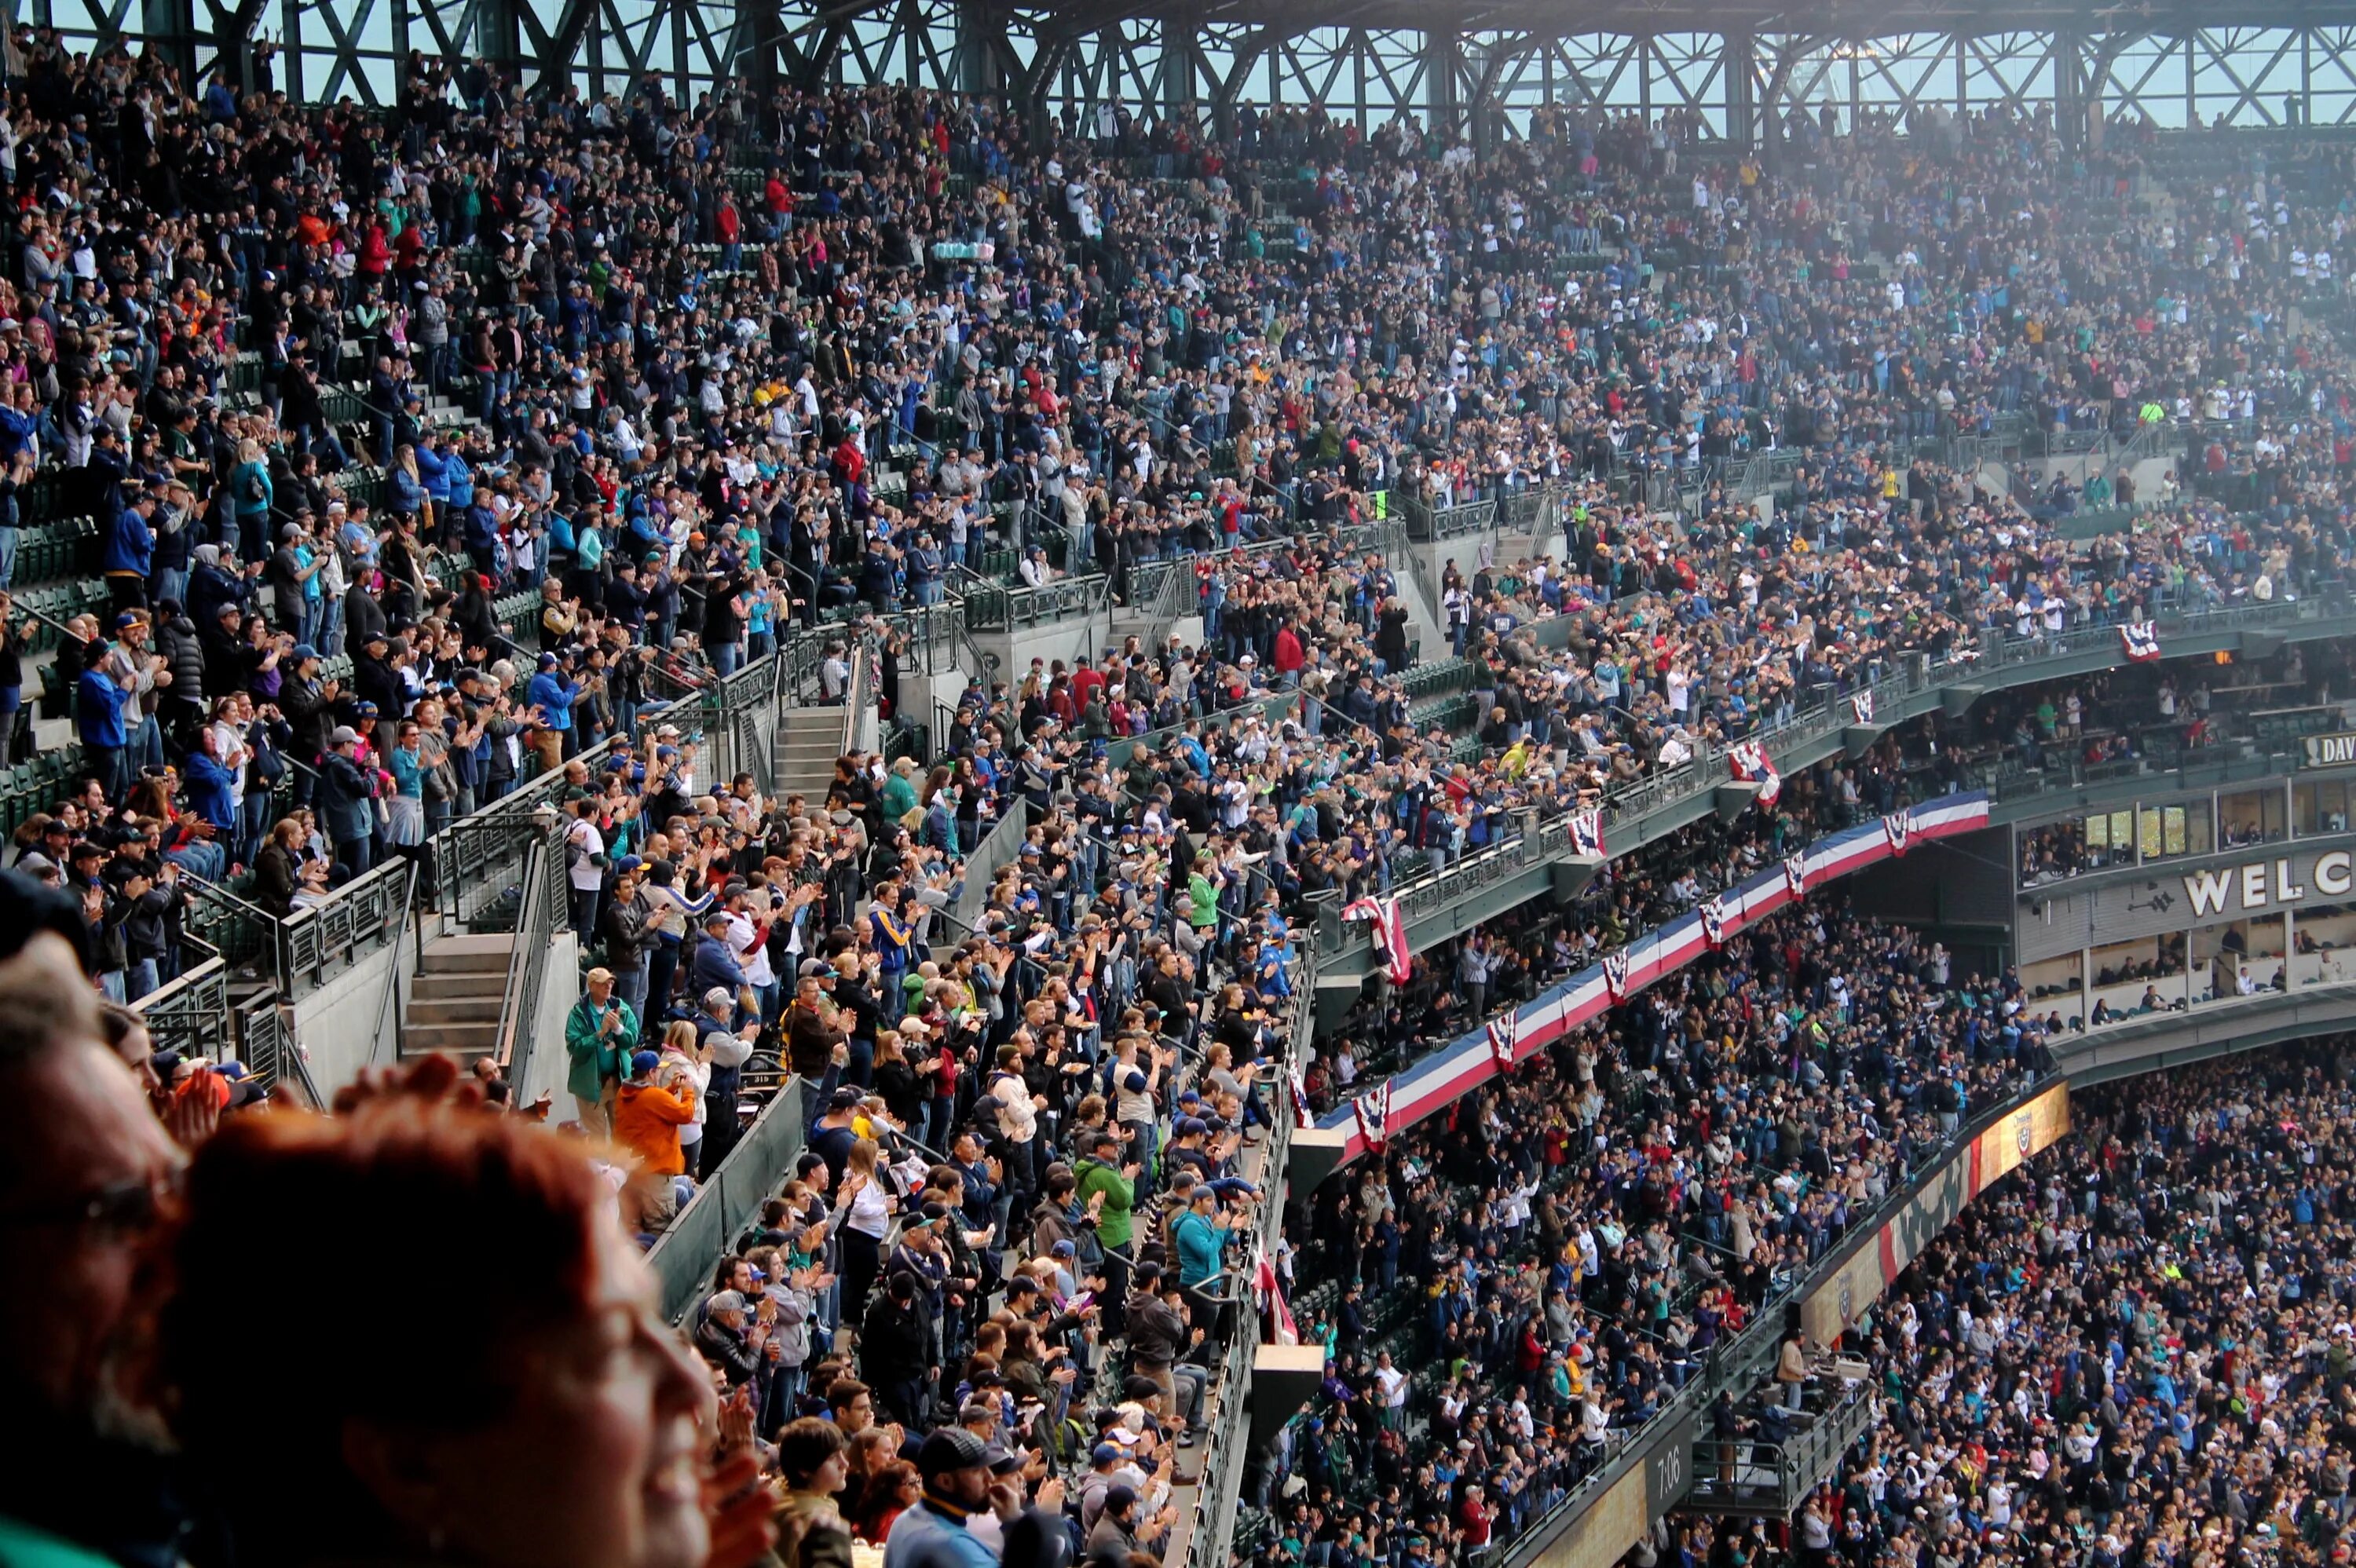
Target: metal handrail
(1825,718)
(362,915)
(536,924)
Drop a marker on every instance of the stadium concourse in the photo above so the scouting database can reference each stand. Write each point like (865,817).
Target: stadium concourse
(365,473)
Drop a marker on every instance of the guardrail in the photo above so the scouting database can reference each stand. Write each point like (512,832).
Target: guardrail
(1427,522)
(991,853)
(1898,695)
(1746,1476)
(365,914)
(998,607)
(540,911)
(190,1013)
(705,1227)
(1210,1530)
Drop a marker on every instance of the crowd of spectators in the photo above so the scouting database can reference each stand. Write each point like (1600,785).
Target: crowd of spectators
(1510,1289)
(1116,368)
(540,350)
(2135,1350)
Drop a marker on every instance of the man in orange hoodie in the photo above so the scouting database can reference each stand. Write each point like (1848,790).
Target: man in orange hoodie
(647,1119)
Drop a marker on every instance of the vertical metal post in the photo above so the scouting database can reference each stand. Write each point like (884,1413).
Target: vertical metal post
(291,28)
(2069,87)
(1740,52)
(978,68)
(1444,54)
(1182,43)
(498,36)
(170,29)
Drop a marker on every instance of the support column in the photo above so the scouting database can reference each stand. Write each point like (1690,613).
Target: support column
(1741,54)
(1182,46)
(979,71)
(2070,88)
(1480,108)
(1770,109)
(1444,57)
(170,28)
(498,37)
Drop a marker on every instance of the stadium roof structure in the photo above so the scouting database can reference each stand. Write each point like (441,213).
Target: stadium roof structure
(1481,65)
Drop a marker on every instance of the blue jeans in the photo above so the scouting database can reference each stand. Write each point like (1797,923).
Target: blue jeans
(252,822)
(727,659)
(147,748)
(8,556)
(141,979)
(169,582)
(630,984)
(199,859)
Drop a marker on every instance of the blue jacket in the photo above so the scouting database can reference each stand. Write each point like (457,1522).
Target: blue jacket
(130,543)
(210,791)
(98,710)
(434,470)
(553,695)
(714,965)
(1200,1243)
(922,1538)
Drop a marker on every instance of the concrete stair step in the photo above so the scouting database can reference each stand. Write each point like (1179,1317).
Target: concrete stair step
(462,985)
(428,1011)
(463,1040)
(468,955)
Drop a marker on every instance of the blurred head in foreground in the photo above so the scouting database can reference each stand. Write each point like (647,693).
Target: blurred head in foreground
(499,1390)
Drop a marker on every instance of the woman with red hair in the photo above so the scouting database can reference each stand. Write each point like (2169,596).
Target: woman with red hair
(499,1390)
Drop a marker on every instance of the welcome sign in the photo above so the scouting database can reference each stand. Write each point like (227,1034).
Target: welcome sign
(2266,884)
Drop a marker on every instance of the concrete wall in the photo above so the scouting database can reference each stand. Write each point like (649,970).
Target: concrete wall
(1072,641)
(347,1023)
(544,1068)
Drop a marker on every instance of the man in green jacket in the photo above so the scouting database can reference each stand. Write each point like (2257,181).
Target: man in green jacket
(1110,1193)
(599,1036)
(899,796)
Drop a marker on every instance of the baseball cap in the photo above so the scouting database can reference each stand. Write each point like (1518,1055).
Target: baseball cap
(950,1449)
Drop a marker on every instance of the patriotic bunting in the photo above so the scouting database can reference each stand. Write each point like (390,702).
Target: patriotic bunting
(1302,1115)
(1504,1033)
(1749,763)
(1616,974)
(2141,640)
(1895,828)
(1373,1109)
(1861,705)
(1273,1305)
(1713,922)
(1587,833)
(1390,933)
(1795,875)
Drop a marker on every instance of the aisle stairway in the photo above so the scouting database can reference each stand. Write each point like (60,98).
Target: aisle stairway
(454,1000)
(809,741)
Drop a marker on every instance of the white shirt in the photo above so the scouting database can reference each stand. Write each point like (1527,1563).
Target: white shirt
(752,952)
(584,873)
